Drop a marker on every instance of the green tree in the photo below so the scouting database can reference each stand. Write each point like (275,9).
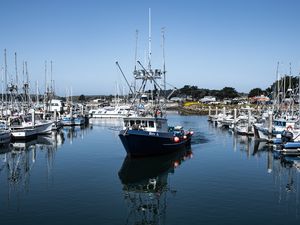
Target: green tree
(228,92)
(81,98)
(255,92)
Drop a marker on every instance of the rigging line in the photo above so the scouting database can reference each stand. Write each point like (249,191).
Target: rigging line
(124,77)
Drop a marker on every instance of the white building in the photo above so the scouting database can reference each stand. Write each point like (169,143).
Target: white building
(208,99)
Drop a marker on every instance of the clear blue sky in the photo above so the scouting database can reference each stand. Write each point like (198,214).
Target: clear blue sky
(211,43)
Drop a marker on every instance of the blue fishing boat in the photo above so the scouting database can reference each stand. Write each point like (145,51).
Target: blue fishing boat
(73,120)
(144,136)
(146,131)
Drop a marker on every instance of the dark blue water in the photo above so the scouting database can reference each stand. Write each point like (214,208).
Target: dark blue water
(82,176)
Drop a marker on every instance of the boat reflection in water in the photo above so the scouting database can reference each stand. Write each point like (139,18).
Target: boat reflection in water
(73,132)
(284,170)
(145,185)
(17,160)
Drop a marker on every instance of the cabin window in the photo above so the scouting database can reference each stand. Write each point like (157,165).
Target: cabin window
(131,122)
(138,122)
(151,123)
(144,123)
(158,124)
(126,124)
(27,119)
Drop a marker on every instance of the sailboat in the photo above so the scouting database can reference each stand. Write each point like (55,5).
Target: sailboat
(146,132)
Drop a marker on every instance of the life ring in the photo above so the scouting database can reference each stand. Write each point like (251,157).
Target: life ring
(289,128)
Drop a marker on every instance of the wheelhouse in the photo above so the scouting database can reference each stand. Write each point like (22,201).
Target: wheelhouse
(147,124)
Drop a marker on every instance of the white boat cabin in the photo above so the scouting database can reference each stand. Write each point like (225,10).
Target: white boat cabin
(148,124)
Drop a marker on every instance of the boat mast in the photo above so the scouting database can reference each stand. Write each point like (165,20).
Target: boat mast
(135,58)
(276,94)
(26,86)
(164,68)
(149,56)
(290,92)
(46,103)
(37,92)
(45,76)
(2,92)
(17,79)
(164,59)
(290,78)
(51,77)
(5,79)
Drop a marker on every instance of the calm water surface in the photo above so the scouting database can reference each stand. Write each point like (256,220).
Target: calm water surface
(82,176)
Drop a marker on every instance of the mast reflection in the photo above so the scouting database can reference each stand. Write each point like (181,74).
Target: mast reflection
(145,185)
(285,170)
(17,159)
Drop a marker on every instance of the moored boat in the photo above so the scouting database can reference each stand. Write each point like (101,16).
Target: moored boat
(23,127)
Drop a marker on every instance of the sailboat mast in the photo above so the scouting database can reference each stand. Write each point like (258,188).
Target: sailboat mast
(164,59)
(135,58)
(149,56)
(277,89)
(16,67)
(45,76)
(5,76)
(51,77)
(284,84)
(290,78)
(135,51)
(26,85)
(37,93)
(2,92)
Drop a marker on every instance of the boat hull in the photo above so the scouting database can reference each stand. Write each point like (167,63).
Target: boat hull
(144,143)
(5,136)
(29,132)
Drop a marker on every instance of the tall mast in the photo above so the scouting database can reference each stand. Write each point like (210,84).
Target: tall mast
(290,78)
(27,76)
(164,59)
(45,76)
(2,99)
(26,85)
(16,67)
(5,75)
(51,76)
(37,92)
(277,77)
(135,52)
(283,92)
(135,58)
(23,73)
(149,57)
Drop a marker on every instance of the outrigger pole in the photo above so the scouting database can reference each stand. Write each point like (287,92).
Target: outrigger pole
(124,77)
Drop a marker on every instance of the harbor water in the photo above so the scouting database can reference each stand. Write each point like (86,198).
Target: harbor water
(81,175)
